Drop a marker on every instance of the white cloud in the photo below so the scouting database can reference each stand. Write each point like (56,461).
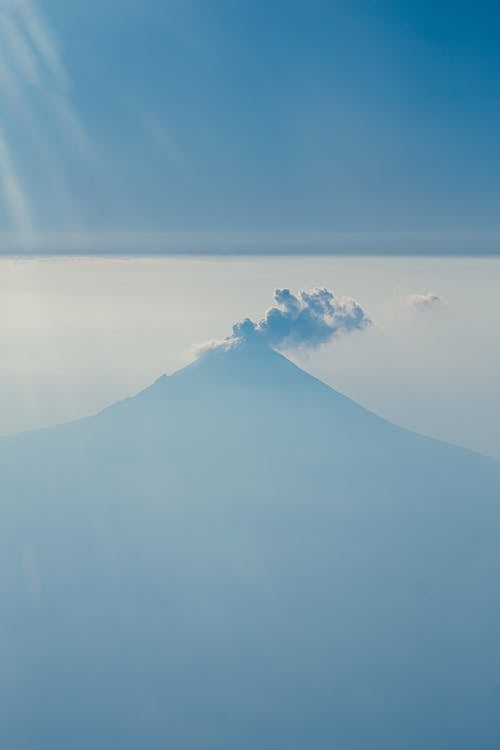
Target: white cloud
(424,302)
(308,319)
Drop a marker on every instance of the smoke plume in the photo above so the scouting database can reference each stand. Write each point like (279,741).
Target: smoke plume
(308,319)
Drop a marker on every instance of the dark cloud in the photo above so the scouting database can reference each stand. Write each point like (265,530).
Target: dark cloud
(308,319)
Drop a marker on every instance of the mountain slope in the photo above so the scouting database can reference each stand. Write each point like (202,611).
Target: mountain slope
(241,557)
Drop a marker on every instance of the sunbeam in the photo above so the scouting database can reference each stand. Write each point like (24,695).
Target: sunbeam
(43,40)
(33,44)
(35,89)
(14,195)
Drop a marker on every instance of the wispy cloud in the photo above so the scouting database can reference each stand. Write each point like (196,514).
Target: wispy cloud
(424,302)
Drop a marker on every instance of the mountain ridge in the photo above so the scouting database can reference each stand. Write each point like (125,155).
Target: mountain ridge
(247,560)
(240,366)
(254,365)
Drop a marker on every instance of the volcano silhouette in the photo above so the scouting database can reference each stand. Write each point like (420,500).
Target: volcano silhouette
(240,557)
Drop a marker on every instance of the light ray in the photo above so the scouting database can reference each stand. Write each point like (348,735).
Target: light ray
(14,194)
(21,52)
(34,91)
(42,39)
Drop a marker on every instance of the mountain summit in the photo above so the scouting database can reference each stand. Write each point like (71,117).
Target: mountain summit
(241,557)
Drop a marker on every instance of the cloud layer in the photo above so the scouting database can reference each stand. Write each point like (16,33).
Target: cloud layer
(308,319)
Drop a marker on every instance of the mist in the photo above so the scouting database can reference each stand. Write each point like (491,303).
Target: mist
(67,328)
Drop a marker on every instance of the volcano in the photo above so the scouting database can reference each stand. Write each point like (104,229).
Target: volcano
(240,557)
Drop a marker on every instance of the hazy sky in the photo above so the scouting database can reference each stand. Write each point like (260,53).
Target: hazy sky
(78,334)
(181,124)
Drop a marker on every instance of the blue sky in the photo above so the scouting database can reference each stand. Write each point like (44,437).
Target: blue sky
(261,125)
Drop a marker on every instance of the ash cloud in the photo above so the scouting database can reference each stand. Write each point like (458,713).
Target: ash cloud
(305,320)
